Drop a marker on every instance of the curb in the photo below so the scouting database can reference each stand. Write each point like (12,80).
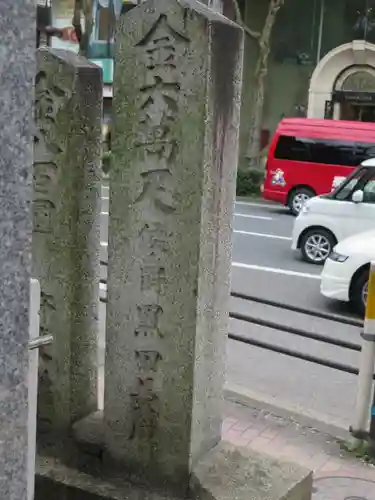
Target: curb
(255,199)
(307,418)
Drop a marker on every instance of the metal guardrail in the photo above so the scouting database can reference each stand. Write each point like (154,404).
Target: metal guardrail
(298,332)
(296,354)
(295,331)
(291,330)
(309,312)
(280,305)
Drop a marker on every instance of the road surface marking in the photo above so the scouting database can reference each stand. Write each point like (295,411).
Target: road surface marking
(248,216)
(274,236)
(104,213)
(276,270)
(105,197)
(104,243)
(255,204)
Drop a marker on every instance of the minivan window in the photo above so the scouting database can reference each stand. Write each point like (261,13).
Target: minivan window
(363,178)
(369,192)
(323,151)
(346,188)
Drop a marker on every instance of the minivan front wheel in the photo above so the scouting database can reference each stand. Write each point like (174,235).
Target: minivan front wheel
(359,290)
(316,245)
(298,198)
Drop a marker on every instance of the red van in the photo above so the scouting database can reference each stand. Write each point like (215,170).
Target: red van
(309,157)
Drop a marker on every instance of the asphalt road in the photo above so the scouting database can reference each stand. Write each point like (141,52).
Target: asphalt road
(262,253)
(263,265)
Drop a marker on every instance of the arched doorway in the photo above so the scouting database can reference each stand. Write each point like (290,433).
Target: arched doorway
(346,74)
(354,92)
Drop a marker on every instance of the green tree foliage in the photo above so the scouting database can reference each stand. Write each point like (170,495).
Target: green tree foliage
(263,40)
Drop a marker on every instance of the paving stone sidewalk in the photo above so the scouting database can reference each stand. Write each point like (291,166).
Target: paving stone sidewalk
(337,474)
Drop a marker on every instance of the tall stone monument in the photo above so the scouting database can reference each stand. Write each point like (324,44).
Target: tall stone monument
(176,111)
(177,87)
(17,59)
(66,234)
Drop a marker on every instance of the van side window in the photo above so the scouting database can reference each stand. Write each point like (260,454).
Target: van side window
(323,151)
(364,152)
(330,152)
(292,148)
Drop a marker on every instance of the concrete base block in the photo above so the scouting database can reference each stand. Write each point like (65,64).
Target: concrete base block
(226,472)
(58,482)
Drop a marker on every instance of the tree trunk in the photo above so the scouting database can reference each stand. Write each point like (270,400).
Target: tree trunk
(83,7)
(261,71)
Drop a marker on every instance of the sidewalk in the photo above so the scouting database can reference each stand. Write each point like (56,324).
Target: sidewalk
(337,475)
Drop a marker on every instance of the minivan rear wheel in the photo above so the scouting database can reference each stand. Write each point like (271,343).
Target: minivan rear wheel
(298,198)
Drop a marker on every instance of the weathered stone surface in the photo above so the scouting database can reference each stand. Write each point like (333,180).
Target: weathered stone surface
(228,472)
(58,482)
(216,5)
(17,61)
(66,233)
(225,473)
(176,111)
(32,385)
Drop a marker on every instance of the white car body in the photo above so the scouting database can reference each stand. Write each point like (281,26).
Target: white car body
(336,278)
(342,218)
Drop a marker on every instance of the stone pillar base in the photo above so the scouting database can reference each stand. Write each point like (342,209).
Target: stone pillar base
(228,471)
(225,472)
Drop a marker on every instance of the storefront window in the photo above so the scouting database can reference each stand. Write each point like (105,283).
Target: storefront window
(360,81)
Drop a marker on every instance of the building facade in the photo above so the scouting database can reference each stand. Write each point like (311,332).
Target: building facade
(101,44)
(321,63)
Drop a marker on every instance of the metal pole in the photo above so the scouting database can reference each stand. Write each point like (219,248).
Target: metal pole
(38,342)
(111,28)
(367,362)
(372,426)
(320,35)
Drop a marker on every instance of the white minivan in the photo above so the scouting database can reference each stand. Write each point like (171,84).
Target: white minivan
(325,220)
